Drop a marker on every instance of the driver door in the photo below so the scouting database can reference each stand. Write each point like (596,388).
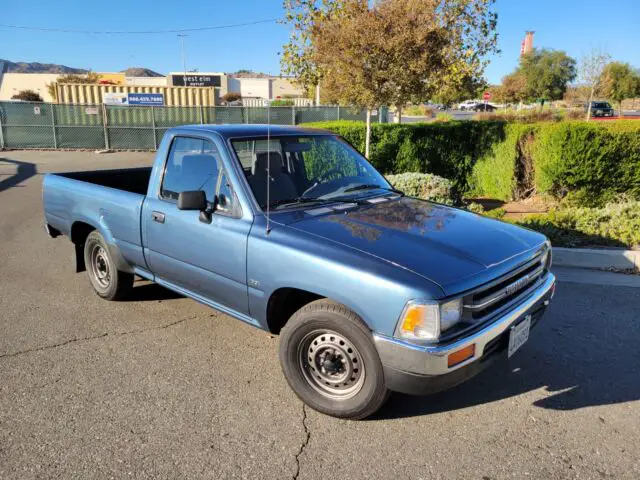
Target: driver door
(207,260)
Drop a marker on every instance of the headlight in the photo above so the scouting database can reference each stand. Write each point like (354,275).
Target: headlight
(425,321)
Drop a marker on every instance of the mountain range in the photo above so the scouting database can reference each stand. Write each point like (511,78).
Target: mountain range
(37,67)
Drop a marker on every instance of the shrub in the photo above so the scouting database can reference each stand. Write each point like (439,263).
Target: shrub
(418,111)
(443,117)
(231,97)
(586,162)
(616,224)
(496,174)
(424,185)
(447,149)
(282,103)
(27,96)
(522,116)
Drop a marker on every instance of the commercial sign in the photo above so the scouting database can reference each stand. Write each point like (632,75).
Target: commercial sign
(145,99)
(195,80)
(133,99)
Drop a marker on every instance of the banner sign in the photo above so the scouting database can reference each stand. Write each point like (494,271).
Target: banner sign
(115,99)
(156,99)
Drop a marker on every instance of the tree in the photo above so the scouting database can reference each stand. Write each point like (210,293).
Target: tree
(620,81)
(89,78)
(591,68)
(576,95)
(513,89)
(400,50)
(297,55)
(547,73)
(27,96)
(467,88)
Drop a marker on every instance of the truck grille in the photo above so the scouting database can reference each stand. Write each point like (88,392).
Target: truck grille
(487,301)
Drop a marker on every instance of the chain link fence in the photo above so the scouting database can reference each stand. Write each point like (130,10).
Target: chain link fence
(115,127)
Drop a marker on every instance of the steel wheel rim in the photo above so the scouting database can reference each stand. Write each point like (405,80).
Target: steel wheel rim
(331,364)
(100,266)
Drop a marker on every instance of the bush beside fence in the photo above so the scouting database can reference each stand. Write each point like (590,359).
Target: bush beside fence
(587,161)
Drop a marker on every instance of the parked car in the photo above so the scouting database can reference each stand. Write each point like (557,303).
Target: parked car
(292,231)
(484,107)
(600,109)
(468,105)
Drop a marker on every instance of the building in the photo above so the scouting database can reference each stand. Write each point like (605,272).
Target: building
(13,83)
(176,87)
(527,43)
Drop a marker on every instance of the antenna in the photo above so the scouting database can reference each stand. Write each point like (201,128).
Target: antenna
(268,104)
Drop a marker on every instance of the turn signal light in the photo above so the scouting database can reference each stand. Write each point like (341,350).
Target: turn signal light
(461,355)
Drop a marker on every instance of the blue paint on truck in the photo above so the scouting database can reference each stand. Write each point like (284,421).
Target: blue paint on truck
(357,242)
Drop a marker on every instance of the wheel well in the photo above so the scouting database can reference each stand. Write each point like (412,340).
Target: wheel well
(80,231)
(283,303)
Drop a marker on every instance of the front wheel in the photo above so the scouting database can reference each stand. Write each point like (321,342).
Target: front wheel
(106,280)
(329,359)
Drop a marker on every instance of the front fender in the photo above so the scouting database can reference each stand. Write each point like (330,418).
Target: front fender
(374,289)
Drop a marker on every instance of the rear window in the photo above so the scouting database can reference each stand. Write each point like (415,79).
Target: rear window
(601,105)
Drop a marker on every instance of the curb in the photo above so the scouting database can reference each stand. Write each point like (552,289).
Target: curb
(599,259)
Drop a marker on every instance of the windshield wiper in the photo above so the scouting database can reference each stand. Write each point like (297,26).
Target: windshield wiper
(294,201)
(372,186)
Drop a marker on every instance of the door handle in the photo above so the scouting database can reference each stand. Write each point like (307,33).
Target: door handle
(157,217)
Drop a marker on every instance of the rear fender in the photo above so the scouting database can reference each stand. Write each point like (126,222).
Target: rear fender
(116,255)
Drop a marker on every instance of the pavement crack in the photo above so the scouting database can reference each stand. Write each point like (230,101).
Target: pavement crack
(95,337)
(305,442)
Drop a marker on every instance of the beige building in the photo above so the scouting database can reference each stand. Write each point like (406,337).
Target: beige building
(192,88)
(264,88)
(13,83)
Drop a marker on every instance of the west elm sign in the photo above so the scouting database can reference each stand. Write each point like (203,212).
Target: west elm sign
(156,99)
(192,80)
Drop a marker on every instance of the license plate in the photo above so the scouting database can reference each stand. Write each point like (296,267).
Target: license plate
(519,335)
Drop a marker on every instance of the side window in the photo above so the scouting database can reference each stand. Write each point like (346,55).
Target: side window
(195,164)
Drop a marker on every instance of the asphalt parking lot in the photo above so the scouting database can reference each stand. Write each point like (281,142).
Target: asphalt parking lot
(162,387)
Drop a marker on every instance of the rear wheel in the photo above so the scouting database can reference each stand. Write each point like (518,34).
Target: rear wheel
(106,280)
(329,359)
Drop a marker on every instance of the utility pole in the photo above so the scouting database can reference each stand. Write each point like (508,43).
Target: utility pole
(184,61)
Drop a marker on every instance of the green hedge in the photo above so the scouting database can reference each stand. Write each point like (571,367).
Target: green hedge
(590,162)
(447,149)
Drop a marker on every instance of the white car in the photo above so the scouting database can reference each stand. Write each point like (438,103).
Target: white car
(468,105)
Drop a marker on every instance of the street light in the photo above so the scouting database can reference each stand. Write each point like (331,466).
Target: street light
(184,62)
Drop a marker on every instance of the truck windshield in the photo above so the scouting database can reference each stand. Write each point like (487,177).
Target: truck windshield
(306,169)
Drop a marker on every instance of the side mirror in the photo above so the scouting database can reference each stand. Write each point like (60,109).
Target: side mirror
(193,200)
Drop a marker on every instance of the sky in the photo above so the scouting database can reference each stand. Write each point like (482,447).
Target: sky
(575,26)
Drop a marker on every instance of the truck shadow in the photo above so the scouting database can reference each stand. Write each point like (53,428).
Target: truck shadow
(150,292)
(24,171)
(578,356)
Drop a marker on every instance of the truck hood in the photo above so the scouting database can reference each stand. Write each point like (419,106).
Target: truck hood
(440,243)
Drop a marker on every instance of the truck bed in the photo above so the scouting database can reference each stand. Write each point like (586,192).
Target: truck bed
(134,180)
(108,200)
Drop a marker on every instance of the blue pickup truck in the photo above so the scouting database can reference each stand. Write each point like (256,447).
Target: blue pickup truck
(293,231)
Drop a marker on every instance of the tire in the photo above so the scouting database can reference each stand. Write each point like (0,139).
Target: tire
(329,360)
(106,280)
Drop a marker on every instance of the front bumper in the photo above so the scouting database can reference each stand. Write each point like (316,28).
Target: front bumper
(419,369)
